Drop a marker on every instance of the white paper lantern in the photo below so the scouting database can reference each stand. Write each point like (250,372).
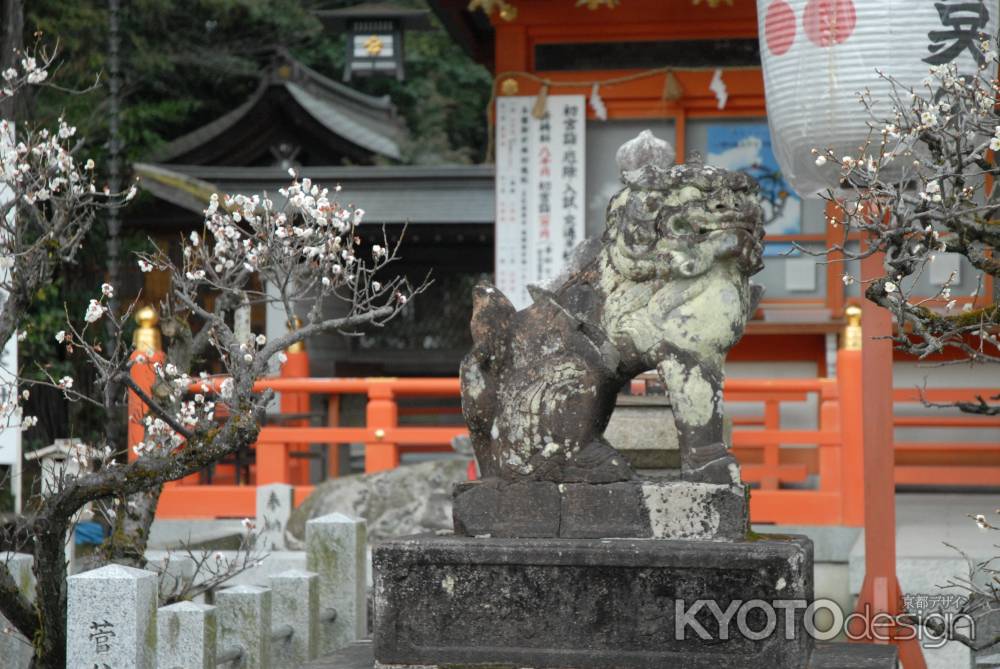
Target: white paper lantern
(818,54)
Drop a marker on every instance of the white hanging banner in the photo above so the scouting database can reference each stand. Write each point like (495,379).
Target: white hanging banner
(10,424)
(540,194)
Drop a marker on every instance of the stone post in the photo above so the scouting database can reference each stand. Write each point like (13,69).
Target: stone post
(295,603)
(244,620)
(14,648)
(274,506)
(186,636)
(111,618)
(336,551)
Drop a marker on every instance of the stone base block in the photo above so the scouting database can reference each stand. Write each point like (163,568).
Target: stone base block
(593,603)
(826,656)
(644,509)
(642,429)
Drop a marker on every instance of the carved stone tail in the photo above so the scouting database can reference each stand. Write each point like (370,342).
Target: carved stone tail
(492,313)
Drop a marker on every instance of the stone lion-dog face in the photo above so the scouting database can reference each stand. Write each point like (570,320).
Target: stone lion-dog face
(666,287)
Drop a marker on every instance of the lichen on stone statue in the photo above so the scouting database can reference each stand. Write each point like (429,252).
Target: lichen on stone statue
(666,287)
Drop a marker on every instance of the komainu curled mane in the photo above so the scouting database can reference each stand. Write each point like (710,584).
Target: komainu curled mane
(666,287)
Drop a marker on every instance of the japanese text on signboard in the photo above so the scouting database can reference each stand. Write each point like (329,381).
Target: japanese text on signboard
(540,190)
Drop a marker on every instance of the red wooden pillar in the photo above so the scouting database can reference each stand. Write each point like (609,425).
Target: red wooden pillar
(880,593)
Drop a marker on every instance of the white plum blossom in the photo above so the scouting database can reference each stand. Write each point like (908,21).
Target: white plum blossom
(66,382)
(107,290)
(933,191)
(61,336)
(94,311)
(145,266)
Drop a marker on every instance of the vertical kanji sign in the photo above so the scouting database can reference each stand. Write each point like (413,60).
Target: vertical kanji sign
(539,190)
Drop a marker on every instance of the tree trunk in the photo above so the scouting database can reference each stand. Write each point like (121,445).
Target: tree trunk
(133,517)
(50,595)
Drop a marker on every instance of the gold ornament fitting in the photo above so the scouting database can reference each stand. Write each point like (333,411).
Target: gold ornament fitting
(509,87)
(146,337)
(851,339)
(299,346)
(374,45)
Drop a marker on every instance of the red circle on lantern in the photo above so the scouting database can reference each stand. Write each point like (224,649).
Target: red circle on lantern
(779,27)
(829,22)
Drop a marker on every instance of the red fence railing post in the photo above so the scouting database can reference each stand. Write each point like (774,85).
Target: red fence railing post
(381,417)
(831,459)
(296,365)
(148,352)
(852,483)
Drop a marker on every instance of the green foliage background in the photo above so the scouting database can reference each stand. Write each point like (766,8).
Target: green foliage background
(186,63)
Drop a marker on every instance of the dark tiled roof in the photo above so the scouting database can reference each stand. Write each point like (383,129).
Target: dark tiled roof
(397,194)
(364,120)
(337,19)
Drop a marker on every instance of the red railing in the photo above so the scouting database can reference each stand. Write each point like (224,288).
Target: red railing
(964,462)
(802,476)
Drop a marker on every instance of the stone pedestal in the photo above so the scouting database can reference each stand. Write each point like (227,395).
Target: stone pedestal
(593,603)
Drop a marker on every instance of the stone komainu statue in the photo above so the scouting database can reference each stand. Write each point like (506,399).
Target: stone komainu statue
(666,287)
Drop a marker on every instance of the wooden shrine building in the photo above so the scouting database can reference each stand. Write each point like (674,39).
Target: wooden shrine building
(689,70)
(334,134)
